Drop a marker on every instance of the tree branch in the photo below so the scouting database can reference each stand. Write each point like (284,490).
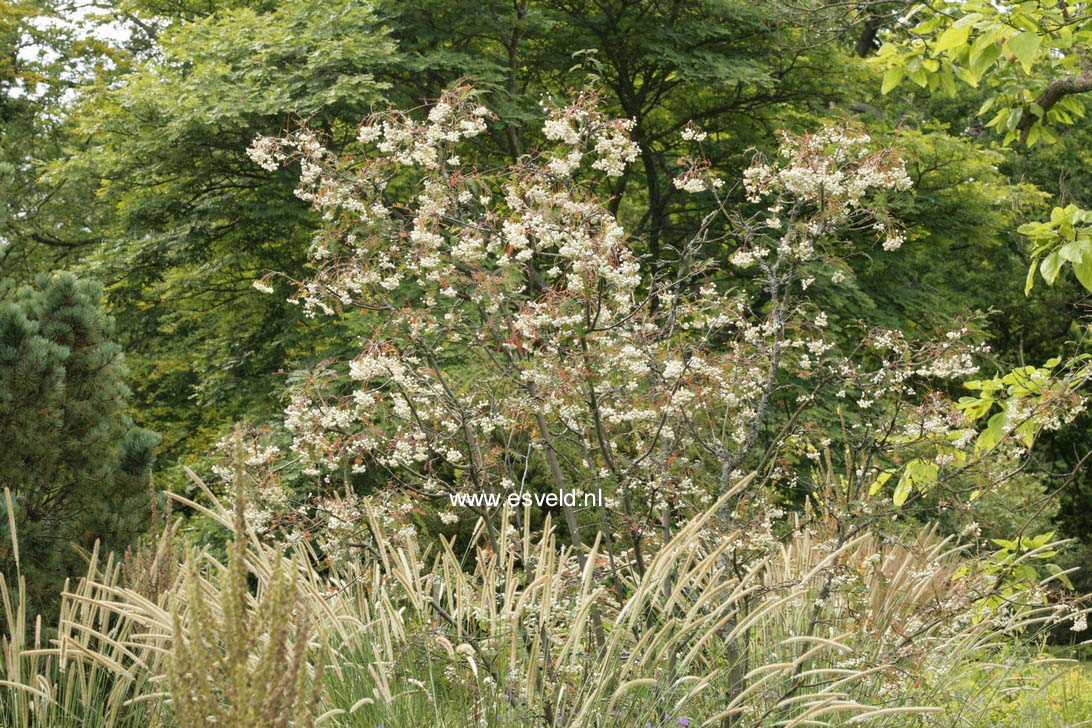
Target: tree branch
(1054,92)
(866,41)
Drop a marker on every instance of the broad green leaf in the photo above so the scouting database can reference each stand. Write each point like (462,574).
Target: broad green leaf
(892,78)
(954,37)
(1057,571)
(1021,19)
(1026,433)
(967,20)
(1018,375)
(1025,46)
(974,407)
(880,481)
(1050,267)
(947,80)
(1014,117)
(1039,541)
(1072,251)
(1032,228)
(989,437)
(918,473)
(983,56)
(1083,269)
(902,491)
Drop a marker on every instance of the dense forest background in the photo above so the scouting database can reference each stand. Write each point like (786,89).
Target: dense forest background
(134,224)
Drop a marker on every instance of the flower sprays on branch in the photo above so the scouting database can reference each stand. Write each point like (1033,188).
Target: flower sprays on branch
(518,343)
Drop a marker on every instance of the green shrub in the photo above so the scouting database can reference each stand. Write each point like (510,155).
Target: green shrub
(76,465)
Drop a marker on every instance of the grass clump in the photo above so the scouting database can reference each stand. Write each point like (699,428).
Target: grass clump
(243,659)
(721,629)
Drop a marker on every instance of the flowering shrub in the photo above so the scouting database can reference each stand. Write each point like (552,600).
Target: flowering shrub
(517,342)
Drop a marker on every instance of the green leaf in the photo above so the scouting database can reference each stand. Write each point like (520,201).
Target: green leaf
(953,37)
(892,78)
(1083,269)
(967,20)
(1072,251)
(1057,571)
(974,407)
(989,437)
(1041,540)
(1034,134)
(1050,267)
(902,491)
(880,481)
(983,56)
(1025,46)
(1018,376)
(918,473)
(1026,432)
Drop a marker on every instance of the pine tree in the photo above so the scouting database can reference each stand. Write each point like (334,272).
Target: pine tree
(76,465)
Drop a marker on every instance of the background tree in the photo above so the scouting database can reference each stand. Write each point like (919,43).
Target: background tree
(184,224)
(730,66)
(47,55)
(1032,57)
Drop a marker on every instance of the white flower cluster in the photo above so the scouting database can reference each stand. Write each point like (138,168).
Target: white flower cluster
(831,172)
(693,133)
(582,129)
(833,166)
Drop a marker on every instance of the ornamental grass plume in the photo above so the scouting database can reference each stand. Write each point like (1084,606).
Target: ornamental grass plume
(150,566)
(96,666)
(820,628)
(240,658)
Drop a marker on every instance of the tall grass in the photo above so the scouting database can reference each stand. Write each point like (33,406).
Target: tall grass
(819,628)
(99,665)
